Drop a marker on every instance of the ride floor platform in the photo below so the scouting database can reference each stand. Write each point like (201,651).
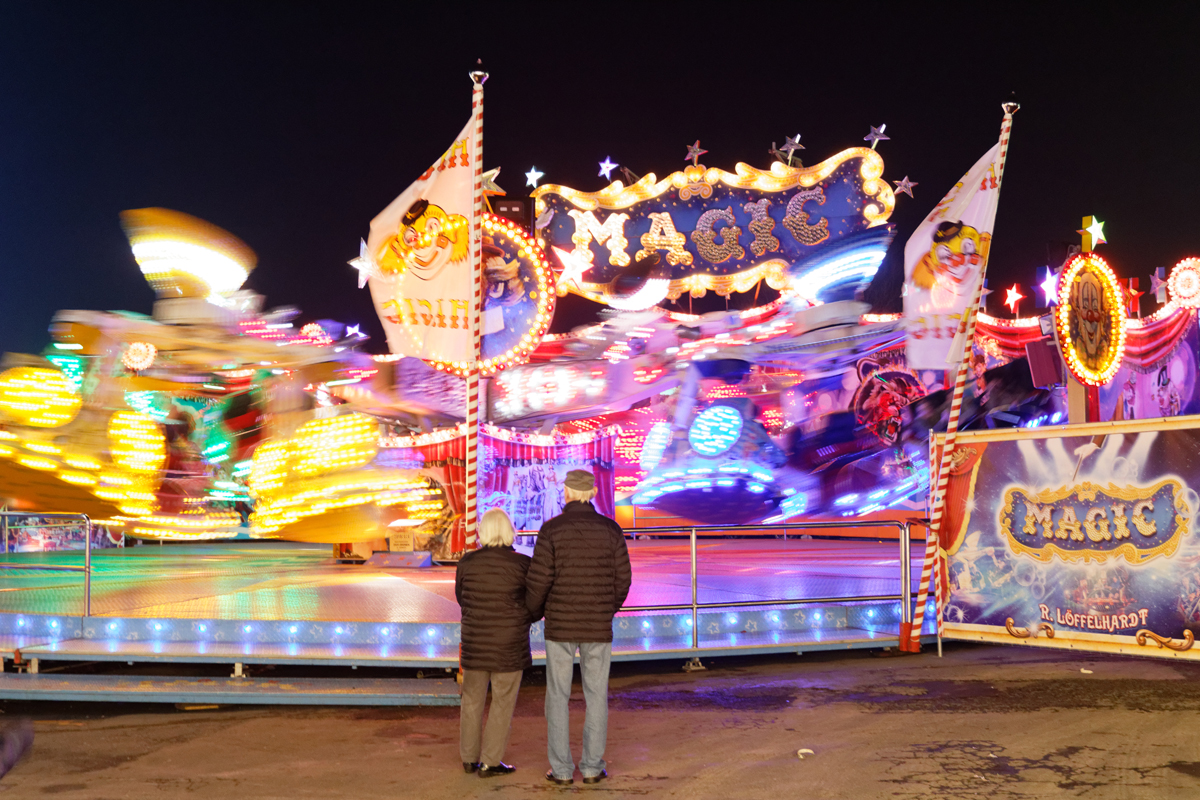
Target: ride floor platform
(273,602)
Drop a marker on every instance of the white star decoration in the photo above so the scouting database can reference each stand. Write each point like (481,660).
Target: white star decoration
(354,330)
(365,265)
(573,268)
(606,168)
(533,176)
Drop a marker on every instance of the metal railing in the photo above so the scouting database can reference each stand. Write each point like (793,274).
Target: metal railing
(86,569)
(906,593)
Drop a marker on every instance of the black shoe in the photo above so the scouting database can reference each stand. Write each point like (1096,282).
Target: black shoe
(596,778)
(469,767)
(500,769)
(560,781)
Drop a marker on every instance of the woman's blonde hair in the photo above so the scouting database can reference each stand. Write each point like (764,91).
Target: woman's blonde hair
(574,495)
(496,529)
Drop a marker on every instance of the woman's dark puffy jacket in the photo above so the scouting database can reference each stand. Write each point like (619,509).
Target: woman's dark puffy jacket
(490,587)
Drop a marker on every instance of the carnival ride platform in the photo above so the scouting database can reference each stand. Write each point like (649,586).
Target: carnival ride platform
(281,603)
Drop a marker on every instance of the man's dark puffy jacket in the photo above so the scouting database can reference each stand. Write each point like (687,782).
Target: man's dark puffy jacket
(490,587)
(580,575)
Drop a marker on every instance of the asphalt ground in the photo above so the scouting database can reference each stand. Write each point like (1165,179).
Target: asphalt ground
(995,722)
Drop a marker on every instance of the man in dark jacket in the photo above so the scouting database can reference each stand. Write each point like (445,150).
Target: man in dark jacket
(579,579)
(490,587)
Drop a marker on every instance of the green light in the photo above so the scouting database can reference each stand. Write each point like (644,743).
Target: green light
(67,346)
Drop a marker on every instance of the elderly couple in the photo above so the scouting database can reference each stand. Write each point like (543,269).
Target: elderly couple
(578,578)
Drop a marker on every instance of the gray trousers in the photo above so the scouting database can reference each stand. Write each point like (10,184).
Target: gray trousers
(594,660)
(505,686)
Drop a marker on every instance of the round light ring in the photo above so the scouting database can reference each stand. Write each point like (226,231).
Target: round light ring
(1184,283)
(499,350)
(1090,319)
(139,356)
(715,430)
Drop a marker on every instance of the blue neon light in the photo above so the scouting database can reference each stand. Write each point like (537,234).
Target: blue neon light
(715,430)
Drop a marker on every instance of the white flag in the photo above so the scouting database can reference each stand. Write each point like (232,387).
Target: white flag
(421,248)
(942,262)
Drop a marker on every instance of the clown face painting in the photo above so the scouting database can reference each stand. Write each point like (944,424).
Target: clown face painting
(954,257)
(1091,322)
(428,240)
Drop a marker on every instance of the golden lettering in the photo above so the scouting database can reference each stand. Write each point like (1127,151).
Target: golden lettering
(1038,515)
(761,225)
(704,238)
(796,219)
(611,234)
(1120,523)
(663,236)
(1146,527)
(455,307)
(1069,525)
(1095,522)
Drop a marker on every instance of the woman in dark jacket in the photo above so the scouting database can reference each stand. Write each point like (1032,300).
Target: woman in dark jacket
(490,587)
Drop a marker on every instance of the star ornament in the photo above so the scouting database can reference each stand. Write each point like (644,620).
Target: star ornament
(1095,229)
(573,268)
(1049,287)
(489,182)
(694,153)
(606,168)
(533,176)
(791,144)
(1013,298)
(366,266)
(905,186)
(876,135)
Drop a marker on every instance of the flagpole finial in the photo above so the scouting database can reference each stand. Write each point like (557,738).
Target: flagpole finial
(478,76)
(1011,106)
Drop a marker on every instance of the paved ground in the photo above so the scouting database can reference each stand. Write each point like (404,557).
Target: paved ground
(981,722)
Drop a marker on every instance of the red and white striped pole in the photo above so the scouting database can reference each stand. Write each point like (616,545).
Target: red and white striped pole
(912,642)
(472,457)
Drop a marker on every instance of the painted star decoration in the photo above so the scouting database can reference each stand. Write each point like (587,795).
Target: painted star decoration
(1049,287)
(876,135)
(573,268)
(1158,287)
(606,168)
(489,182)
(1096,231)
(1134,297)
(694,153)
(1013,298)
(533,176)
(905,186)
(791,144)
(366,266)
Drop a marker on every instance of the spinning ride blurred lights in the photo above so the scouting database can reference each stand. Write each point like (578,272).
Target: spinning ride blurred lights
(535,389)
(42,398)
(326,445)
(1184,283)
(139,356)
(136,442)
(655,445)
(857,266)
(1090,319)
(183,256)
(715,430)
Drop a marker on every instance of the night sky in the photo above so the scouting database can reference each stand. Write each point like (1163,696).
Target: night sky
(292,125)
